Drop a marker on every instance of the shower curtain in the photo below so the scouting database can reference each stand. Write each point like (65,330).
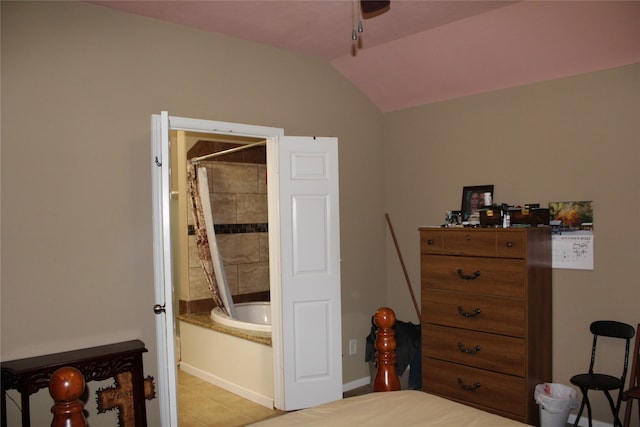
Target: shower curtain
(208,252)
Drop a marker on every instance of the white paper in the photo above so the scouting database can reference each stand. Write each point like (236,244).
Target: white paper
(573,250)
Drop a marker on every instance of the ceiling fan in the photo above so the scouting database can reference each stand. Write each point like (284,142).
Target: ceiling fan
(368,9)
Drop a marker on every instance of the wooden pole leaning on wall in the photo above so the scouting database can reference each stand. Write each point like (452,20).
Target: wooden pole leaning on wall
(66,386)
(404,269)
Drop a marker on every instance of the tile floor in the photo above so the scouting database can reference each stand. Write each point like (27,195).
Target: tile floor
(201,404)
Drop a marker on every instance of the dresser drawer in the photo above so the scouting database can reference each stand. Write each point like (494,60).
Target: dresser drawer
(431,241)
(502,243)
(481,350)
(500,315)
(471,242)
(511,244)
(490,276)
(501,392)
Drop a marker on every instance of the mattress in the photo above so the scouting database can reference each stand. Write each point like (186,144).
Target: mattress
(395,408)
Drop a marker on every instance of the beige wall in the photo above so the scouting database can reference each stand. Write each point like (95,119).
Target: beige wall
(575,138)
(79,84)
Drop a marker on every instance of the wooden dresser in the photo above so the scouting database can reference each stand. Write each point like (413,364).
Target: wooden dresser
(486,316)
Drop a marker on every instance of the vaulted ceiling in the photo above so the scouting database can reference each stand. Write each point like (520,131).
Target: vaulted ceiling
(424,51)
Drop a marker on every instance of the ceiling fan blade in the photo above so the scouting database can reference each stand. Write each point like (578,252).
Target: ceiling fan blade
(374,7)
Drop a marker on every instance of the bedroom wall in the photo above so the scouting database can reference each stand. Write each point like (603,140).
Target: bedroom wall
(569,139)
(79,84)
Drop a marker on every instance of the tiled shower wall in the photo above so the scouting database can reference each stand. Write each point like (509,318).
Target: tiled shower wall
(238,194)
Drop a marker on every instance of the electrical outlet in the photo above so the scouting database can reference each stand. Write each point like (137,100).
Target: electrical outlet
(353,346)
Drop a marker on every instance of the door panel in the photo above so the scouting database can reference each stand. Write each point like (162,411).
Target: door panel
(310,251)
(311,314)
(313,335)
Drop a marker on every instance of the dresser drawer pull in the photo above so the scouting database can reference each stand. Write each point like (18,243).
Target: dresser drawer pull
(473,350)
(473,276)
(430,242)
(468,387)
(474,313)
(509,244)
(467,238)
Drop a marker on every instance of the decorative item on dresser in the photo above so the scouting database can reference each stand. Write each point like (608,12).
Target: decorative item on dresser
(486,316)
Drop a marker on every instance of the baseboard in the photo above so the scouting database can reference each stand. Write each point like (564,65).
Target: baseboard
(222,383)
(584,422)
(355,384)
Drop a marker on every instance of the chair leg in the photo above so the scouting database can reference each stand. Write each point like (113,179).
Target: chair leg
(615,410)
(627,413)
(589,410)
(584,399)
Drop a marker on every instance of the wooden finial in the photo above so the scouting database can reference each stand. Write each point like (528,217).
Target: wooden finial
(66,386)
(386,376)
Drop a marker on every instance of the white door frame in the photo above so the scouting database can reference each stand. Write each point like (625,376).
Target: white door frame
(165,322)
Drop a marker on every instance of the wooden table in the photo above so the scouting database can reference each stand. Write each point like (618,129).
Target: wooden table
(96,364)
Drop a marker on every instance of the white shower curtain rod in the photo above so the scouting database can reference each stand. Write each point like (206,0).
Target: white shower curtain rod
(229,151)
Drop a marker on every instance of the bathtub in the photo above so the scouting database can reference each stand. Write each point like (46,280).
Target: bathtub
(252,316)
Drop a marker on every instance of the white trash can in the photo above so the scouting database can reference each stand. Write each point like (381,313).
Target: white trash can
(556,401)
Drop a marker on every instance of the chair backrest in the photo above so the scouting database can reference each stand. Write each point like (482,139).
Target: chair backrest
(612,329)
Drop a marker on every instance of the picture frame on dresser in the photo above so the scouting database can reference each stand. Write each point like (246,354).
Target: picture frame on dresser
(475,198)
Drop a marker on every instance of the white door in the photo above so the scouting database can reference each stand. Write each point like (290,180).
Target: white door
(296,238)
(310,271)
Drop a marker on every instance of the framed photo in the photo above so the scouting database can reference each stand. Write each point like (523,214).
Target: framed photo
(475,198)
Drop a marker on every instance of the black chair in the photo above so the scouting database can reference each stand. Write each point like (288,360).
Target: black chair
(604,382)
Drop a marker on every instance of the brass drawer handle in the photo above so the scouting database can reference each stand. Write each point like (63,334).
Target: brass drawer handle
(509,244)
(473,276)
(468,387)
(473,350)
(430,242)
(474,313)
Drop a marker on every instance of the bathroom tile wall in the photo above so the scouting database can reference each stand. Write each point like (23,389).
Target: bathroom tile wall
(238,194)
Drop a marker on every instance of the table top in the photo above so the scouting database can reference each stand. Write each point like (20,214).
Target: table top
(21,366)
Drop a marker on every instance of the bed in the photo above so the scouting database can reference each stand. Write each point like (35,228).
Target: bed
(388,405)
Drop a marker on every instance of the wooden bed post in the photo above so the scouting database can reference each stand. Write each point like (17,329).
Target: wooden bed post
(386,376)
(66,386)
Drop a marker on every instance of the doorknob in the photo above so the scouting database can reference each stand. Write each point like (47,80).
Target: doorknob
(158,309)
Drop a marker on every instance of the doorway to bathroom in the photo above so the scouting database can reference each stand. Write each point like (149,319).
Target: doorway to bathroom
(220,255)
(304,262)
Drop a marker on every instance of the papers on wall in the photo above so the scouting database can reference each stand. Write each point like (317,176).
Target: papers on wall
(572,251)
(572,237)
